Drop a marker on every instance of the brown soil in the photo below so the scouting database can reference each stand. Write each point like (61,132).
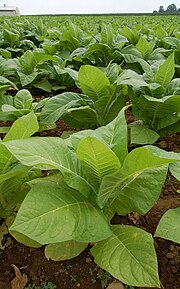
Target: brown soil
(82,272)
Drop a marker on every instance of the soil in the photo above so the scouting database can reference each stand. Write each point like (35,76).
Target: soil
(82,272)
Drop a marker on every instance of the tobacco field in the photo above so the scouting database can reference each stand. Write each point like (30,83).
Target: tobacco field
(89,152)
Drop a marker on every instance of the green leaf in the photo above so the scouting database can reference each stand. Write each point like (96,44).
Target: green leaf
(169,226)
(106,34)
(5,157)
(3,88)
(160,32)
(12,192)
(64,251)
(64,215)
(144,47)
(147,69)
(112,71)
(157,109)
(93,81)
(44,85)
(98,53)
(129,34)
(171,120)
(10,37)
(144,172)
(56,106)
(23,99)
(175,170)
(51,153)
(129,256)
(103,104)
(14,112)
(169,130)
(130,77)
(99,159)
(4,80)
(26,79)
(83,116)
(25,240)
(166,71)
(23,127)
(4,129)
(113,134)
(174,42)
(142,135)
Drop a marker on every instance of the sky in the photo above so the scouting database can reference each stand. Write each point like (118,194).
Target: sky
(32,7)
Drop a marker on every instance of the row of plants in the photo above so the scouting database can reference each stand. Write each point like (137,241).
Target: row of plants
(140,63)
(62,193)
(155,98)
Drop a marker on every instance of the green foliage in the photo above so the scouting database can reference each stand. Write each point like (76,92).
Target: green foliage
(13,175)
(40,284)
(91,175)
(99,105)
(75,203)
(168,227)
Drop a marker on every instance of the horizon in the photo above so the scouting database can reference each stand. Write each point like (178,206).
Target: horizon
(78,7)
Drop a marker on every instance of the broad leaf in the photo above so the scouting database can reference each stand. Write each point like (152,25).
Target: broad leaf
(106,34)
(44,85)
(5,158)
(51,153)
(64,215)
(93,81)
(175,170)
(26,79)
(130,77)
(160,32)
(166,71)
(112,71)
(144,172)
(159,108)
(142,135)
(56,106)
(23,127)
(83,116)
(23,99)
(98,54)
(99,159)
(64,251)
(144,47)
(128,255)
(11,190)
(25,240)
(113,134)
(169,226)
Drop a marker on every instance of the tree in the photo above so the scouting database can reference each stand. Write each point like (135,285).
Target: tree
(171,8)
(161,9)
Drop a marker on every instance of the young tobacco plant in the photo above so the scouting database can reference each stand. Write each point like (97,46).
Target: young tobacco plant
(14,107)
(155,97)
(92,177)
(100,103)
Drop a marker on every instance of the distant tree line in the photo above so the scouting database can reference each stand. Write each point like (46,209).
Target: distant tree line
(171,9)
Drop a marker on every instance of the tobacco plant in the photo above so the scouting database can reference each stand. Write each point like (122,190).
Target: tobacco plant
(155,97)
(91,177)
(100,103)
